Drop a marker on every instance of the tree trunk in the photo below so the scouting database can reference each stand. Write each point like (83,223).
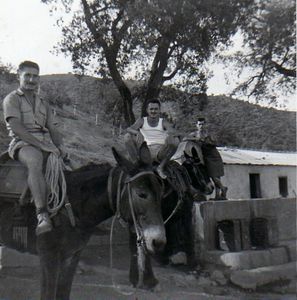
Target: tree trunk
(158,68)
(122,88)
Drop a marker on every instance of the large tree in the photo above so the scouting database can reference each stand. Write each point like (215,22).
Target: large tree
(155,41)
(269,51)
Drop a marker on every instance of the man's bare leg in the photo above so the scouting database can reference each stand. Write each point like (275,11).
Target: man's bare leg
(165,154)
(32,158)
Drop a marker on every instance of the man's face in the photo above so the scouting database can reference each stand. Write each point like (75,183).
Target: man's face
(29,79)
(153,110)
(200,125)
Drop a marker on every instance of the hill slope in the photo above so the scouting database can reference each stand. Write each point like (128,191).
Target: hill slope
(77,101)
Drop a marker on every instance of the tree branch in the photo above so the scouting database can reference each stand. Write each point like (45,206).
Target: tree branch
(88,18)
(170,76)
(284,71)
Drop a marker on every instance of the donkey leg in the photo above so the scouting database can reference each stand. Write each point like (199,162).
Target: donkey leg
(50,266)
(149,279)
(68,268)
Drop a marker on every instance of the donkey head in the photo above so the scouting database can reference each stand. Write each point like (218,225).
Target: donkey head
(198,172)
(141,199)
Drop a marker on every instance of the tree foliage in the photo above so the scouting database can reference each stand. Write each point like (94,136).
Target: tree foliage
(270,52)
(6,72)
(155,41)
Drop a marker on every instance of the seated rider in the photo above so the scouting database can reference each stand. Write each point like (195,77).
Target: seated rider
(29,122)
(156,132)
(211,155)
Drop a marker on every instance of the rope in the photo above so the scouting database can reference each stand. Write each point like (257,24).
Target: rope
(55,180)
(174,210)
(140,242)
(117,287)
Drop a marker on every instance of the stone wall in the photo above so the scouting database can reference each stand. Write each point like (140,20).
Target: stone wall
(235,232)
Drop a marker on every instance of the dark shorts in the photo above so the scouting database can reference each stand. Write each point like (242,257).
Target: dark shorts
(213,161)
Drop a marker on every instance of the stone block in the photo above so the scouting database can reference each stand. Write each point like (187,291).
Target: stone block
(249,259)
(13,258)
(251,279)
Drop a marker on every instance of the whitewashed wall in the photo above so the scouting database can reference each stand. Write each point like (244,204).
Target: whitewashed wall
(237,180)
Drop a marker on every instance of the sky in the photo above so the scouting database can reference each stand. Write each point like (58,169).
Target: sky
(28,32)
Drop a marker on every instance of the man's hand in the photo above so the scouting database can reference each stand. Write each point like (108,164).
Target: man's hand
(50,148)
(64,154)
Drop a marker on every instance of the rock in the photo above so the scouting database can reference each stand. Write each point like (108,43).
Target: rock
(218,277)
(179,258)
(251,279)
(204,281)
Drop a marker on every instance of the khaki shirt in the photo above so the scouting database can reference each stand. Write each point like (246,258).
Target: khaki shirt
(34,118)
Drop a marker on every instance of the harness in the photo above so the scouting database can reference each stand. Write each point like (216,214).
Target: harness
(123,185)
(179,180)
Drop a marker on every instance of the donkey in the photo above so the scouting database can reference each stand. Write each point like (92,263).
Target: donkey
(96,193)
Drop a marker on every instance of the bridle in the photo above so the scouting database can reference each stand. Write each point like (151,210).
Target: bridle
(138,229)
(140,241)
(195,167)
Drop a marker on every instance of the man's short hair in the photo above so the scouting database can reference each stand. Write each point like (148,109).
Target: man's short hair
(28,64)
(155,100)
(201,119)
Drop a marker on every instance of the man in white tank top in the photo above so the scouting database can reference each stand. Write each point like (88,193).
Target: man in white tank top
(156,132)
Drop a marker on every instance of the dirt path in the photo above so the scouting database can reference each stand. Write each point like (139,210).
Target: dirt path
(93,281)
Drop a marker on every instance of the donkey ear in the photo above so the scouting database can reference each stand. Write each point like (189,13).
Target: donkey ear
(123,162)
(145,154)
(187,156)
(194,152)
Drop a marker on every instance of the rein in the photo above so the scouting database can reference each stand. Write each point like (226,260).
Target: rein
(180,199)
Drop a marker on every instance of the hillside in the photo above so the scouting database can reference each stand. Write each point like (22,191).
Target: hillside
(77,101)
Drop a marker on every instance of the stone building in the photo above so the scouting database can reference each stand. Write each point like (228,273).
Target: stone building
(259,174)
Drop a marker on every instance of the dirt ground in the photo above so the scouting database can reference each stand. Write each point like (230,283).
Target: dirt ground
(95,280)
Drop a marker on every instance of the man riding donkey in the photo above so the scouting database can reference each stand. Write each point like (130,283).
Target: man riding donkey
(29,122)
(163,142)
(211,156)
(156,132)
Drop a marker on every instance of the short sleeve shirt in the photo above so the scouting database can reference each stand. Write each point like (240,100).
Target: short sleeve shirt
(34,119)
(11,107)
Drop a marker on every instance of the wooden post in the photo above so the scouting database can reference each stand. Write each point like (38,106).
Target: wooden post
(96,119)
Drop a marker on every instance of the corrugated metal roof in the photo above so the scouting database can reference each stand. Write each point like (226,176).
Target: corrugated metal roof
(253,157)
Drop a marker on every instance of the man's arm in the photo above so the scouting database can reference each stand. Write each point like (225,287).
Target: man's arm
(134,129)
(19,130)
(54,133)
(191,137)
(210,140)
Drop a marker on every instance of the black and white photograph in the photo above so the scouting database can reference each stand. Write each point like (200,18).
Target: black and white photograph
(148,150)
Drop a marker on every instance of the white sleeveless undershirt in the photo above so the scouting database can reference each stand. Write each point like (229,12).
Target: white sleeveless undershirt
(153,135)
